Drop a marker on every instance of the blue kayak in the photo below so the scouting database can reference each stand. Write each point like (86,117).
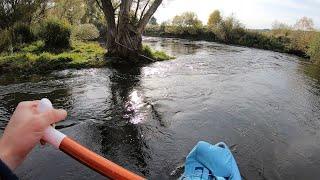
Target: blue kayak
(210,162)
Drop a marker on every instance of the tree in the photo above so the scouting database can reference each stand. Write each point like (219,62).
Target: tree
(214,19)
(72,11)
(304,24)
(314,48)
(13,11)
(276,25)
(126,21)
(153,21)
(229,29)
(281,29)
(93,14)
(187,19)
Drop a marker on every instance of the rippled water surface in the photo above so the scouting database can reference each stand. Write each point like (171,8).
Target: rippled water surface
(265,105)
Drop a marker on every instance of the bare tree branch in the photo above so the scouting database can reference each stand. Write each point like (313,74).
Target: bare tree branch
(135,14)
(144,8)
(145,19)
(117,6)
(98,3)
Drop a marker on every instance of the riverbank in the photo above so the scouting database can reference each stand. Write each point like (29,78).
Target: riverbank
(291,42)
(34,58)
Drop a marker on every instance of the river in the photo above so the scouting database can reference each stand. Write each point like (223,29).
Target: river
(263,104)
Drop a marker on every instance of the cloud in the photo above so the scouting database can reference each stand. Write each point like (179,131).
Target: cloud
(252,13)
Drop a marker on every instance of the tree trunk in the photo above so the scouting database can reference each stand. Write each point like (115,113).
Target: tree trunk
(127,43)
(124,39)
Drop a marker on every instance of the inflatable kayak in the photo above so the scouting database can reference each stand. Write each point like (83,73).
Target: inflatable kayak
(210,162)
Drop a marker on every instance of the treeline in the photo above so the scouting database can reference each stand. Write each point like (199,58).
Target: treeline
(56,22)
(300,39)
(37,36)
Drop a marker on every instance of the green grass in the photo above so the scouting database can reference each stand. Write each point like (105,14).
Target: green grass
(154,54)
(34,58)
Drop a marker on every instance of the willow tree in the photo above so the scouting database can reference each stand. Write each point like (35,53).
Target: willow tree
(126,21)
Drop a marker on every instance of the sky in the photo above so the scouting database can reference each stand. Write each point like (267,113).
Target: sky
(254,14)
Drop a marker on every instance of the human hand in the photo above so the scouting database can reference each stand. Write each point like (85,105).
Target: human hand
(24,130)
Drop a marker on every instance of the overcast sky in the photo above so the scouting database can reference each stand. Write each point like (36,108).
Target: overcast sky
(258,14)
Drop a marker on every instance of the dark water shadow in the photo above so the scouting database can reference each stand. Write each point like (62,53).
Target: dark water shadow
(9,101)
(122,141)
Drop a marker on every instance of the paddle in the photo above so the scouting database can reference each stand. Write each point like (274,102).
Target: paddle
(82,154)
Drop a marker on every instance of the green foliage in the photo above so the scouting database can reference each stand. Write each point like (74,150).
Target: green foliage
(72,11)
(153,21)
(156,55)
(229,30)
(187,19)
(5,41)
(94,15)
(300,40)
(282,38)
(183,30)
(33,59)
(12,12)
(214,19)
(281,29)
(22,33)
(314,49)
(56,34)
(85,32)
(13,38)
(35,47)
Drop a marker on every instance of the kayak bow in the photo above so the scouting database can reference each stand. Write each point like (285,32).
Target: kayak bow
(81,153)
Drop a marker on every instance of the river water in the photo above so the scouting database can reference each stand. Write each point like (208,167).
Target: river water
(265,105)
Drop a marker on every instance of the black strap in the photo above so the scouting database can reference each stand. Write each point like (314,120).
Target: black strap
(6,173)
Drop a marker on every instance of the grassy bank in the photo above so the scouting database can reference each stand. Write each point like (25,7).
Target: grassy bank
(248,38)
(154,54)
(33,58)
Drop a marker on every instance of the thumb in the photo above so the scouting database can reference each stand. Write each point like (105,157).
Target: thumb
(53,115)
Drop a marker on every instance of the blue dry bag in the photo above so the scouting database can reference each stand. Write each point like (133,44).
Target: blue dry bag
(209,162)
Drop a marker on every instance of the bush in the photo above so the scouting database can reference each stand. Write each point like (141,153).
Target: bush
(86,32)
(56,34)
(314,48)
(5,41)
(22,33)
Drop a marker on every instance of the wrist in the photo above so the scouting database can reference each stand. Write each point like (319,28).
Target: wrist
(6,155)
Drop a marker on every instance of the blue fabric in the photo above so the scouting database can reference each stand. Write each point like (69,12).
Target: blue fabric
(206,162)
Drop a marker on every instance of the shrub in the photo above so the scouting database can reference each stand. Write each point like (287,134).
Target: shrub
(56,34)
(86,32)
(300,40)
(22,33)
(5,41)
(314,48)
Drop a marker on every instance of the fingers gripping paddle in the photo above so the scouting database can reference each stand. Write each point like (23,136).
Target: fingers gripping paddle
(82,154)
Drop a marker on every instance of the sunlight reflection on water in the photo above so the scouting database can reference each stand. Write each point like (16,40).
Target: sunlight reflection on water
(135,107)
